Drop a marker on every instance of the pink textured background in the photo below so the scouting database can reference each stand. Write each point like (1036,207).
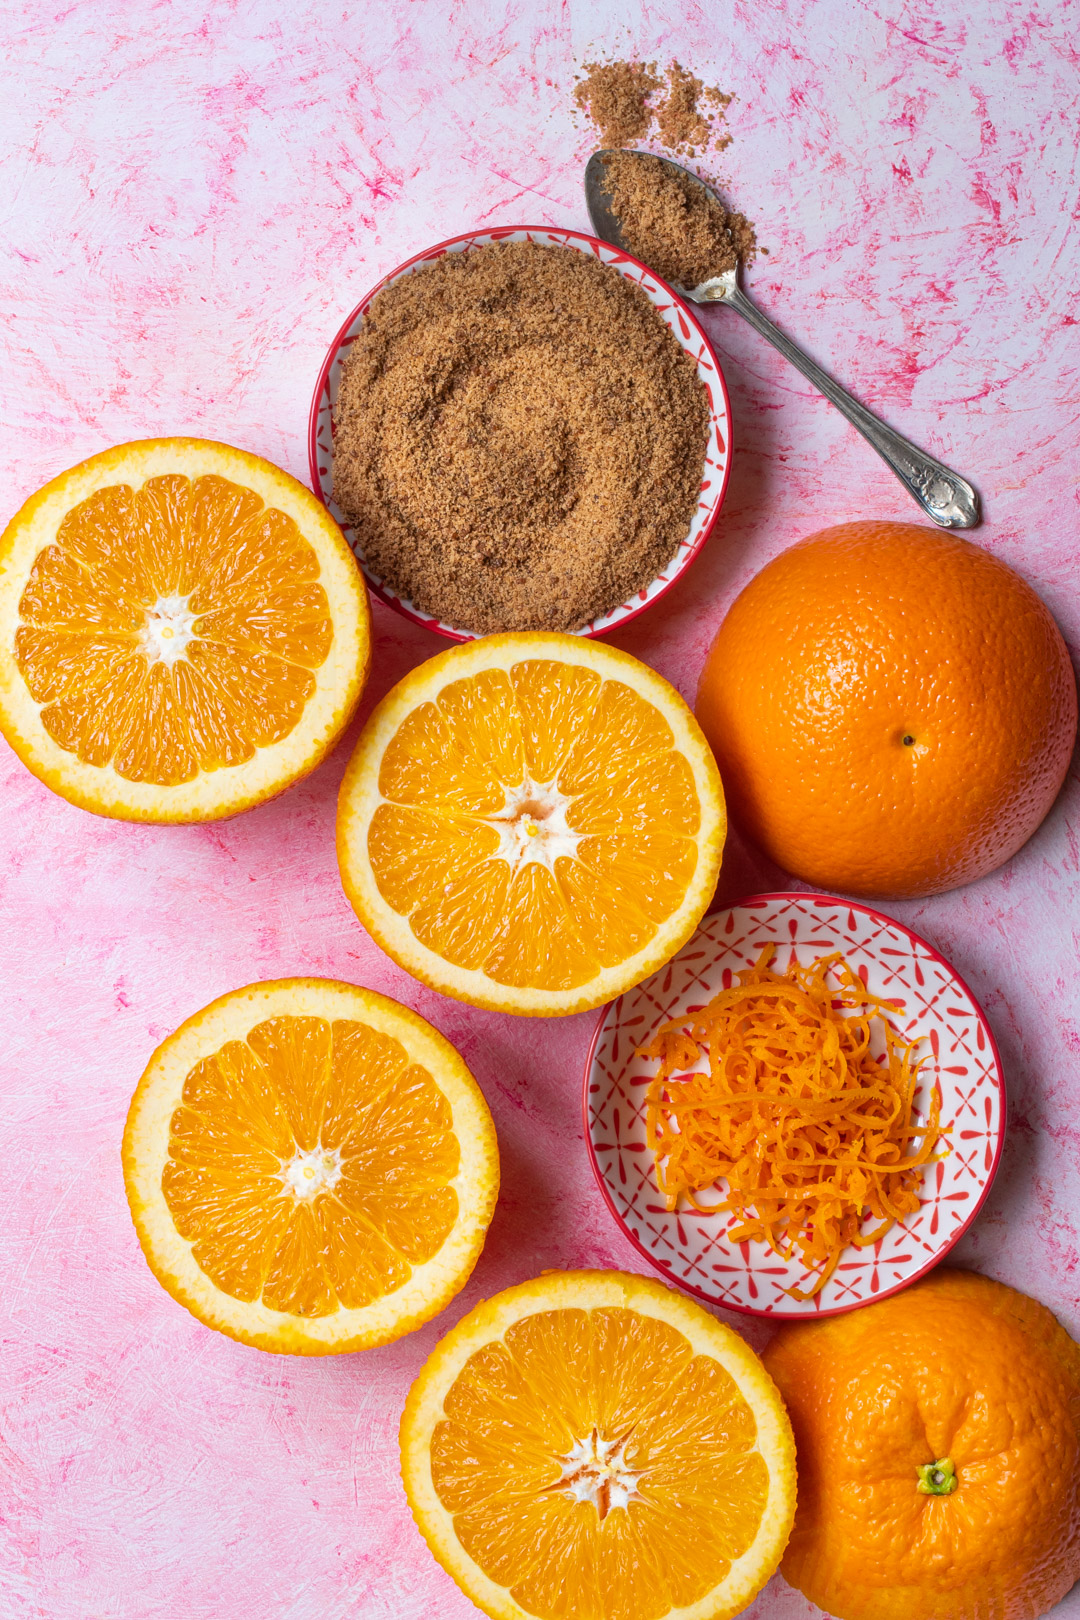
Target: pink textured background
(194,195)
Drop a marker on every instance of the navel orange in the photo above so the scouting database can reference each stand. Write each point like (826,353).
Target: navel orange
(531,823)
(938,1441)
(311,1168)
(594,1446)
(892,709)
(183,631)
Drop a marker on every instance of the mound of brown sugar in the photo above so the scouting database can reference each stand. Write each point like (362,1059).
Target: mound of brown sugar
(677,227)
(520,439)
(617,97)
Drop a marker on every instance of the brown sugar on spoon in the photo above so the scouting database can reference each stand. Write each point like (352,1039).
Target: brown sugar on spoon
(519,438)
(673,225)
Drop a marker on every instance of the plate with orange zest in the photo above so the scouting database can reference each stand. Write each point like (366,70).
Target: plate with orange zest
(802,1112)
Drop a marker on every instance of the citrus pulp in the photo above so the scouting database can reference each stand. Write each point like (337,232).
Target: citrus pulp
(183,631)
(593,1445)
(531,823)
(311,1168)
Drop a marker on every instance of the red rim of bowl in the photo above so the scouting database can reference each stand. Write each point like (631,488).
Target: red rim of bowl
(427,623)
(935,1260)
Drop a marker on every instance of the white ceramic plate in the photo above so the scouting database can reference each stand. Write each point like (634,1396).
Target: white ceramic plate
(692,1249)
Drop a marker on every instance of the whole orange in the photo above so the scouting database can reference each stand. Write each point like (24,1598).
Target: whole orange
(891,707)
(937,1436)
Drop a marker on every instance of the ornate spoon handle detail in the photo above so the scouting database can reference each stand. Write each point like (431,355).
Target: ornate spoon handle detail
(943,494)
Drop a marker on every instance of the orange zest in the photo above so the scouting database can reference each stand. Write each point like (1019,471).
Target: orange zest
(812,1132)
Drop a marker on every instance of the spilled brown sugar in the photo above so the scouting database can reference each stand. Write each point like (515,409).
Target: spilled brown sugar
(674,225)
(683,125)
(618,98)
(519,438)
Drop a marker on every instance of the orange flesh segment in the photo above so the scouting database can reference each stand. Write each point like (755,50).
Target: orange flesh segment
(452,769)
(301,1085)
(518,1407)
(262,625)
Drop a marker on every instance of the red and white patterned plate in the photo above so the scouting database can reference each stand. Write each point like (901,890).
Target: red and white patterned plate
(672,311)
(691,1249)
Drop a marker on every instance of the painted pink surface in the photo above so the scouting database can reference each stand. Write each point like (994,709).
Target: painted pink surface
(195,196)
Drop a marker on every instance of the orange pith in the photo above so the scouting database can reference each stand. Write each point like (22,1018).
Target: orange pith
(956,1369)
(892,708)
(617,1386)
(132,570)
(531,826)
(305,1103)
(619,1458)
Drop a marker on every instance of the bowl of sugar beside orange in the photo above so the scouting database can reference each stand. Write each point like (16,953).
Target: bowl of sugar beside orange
(521,429)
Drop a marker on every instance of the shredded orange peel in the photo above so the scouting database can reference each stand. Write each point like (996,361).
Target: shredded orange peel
(812,1133)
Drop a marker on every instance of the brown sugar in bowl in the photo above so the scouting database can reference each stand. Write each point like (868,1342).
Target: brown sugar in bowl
(676,316)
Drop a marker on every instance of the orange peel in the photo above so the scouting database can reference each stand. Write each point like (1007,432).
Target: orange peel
(811,1132)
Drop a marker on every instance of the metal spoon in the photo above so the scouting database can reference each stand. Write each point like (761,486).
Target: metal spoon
(944,495)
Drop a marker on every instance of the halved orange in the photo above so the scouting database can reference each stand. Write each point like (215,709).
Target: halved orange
(183,631)
(594,1446)
(531,823)
(311,1168)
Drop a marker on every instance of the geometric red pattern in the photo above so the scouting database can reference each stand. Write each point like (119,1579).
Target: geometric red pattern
(691,1249)
(671,309)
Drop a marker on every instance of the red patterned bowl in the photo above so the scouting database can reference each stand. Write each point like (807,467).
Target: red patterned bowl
(691,1249)
(672,311)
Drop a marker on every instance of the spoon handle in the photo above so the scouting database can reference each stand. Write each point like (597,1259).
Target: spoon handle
(943,495)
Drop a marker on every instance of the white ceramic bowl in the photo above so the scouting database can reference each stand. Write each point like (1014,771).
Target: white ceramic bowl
(691,1249)
(672,311)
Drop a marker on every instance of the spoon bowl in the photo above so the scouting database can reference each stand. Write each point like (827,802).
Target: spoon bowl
(607,225)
